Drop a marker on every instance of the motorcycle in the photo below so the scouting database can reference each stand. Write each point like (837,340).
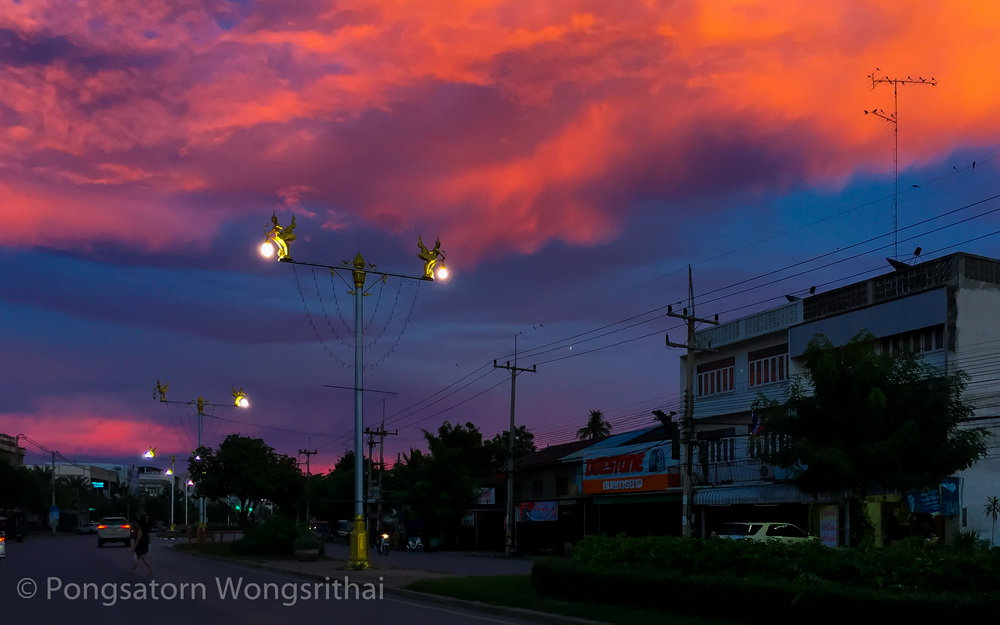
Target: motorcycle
(414,544)
(382,546)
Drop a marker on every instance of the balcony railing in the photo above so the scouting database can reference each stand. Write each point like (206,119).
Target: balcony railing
(736,472)
(758,324)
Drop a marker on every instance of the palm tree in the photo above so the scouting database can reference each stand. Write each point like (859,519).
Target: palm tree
(72,486)
(597,427)
(993,511)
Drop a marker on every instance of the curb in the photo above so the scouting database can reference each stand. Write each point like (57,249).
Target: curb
(415,595)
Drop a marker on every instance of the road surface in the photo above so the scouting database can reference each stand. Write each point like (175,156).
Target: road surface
(66,578)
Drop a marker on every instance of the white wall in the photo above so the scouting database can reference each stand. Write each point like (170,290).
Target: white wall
(977,352)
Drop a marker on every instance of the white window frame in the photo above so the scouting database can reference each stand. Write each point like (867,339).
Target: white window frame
(717,381)
(767,370)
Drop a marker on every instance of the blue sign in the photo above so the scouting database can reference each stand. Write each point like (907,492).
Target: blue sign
(951,496)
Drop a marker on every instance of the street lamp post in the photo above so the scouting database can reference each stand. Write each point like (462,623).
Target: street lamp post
(239,401)
(187,502)
(276,243)
(170,472)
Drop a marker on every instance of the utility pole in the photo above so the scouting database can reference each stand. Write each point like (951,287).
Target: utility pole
(381,432)
(687,421)
(52,510)
(893,118)
(308,454)
(509,521)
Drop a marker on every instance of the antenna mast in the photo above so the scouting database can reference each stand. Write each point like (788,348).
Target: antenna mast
(893,118)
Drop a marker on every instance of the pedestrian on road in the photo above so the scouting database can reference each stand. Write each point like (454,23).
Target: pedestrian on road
(140,551)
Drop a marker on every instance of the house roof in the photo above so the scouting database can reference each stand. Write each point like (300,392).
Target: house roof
(575,450)
(553,454)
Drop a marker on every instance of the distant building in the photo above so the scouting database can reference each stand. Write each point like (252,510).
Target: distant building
(10,451)
(96,477)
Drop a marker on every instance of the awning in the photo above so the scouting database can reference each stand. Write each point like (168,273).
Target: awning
(637,498)
(763,494)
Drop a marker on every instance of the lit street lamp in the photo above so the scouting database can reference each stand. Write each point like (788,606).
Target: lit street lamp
(239,401)
(276,244)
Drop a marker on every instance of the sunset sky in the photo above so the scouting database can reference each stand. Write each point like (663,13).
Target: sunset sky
(573,157)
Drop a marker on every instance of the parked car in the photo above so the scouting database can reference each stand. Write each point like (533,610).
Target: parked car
(322,531)
(344,529)
(3,546)
(87,528)
(764,531)
(114,529)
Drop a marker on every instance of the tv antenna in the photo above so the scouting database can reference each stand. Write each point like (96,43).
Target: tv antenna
(893,118)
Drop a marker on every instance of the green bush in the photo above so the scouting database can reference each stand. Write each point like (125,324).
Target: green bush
(752,599)
(275,537)
(908,566)
(307,540)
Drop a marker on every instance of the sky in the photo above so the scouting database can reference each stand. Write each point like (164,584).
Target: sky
(573,157)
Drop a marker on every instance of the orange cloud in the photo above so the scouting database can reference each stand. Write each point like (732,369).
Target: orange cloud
(499,125)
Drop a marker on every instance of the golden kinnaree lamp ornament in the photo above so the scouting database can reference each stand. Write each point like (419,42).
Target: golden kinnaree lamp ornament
(277,239)
(431,259)
(240,398)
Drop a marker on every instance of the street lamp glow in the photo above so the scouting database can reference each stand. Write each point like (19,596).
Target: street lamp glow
(150,453)
(267,249)
(168,472)
(441,273)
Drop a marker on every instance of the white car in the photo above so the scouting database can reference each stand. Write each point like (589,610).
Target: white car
(114,529)
(764,531)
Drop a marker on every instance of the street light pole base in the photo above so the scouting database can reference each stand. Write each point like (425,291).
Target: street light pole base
(359,546)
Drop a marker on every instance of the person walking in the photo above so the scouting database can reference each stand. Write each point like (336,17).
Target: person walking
(140,550)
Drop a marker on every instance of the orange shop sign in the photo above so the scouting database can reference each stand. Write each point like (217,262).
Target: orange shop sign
(641,469)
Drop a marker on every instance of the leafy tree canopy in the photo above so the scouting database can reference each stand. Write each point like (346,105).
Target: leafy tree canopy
(438,486)
(248,469)
(857,418)
(524,444)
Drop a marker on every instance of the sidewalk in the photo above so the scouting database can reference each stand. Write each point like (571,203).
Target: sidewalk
(391,576)
(394,577)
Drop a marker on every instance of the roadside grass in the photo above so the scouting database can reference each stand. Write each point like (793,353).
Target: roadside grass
(517,591)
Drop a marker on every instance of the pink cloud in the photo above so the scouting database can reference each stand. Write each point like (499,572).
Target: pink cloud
(71,432)
(570,112)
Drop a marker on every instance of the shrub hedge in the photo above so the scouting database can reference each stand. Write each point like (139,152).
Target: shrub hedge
(752,599)
(274,537)
(776,583)
(910,566)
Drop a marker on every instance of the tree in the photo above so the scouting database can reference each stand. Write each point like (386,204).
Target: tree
(993,511)
(597,427)
(499,446)
(333,495)
(248,469)
(437,487)
(859,419)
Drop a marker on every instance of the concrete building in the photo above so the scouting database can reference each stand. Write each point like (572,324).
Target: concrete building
(944,309)
(10,451)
